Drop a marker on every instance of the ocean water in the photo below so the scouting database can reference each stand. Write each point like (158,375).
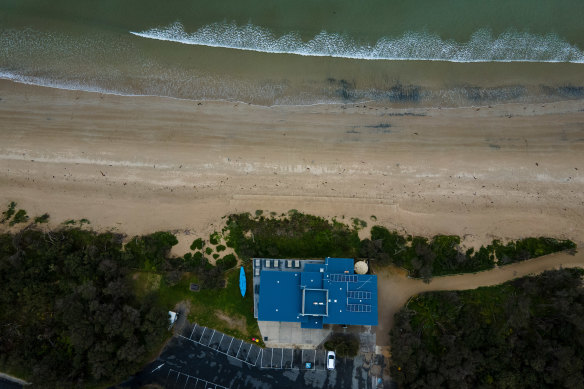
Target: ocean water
(416,52)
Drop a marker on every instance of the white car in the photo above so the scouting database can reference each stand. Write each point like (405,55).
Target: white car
(330,360)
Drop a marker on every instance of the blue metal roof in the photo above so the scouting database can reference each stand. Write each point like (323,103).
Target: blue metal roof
(327,293)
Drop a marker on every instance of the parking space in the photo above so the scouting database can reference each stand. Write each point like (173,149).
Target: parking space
(320,360)
(176,379)
(206,337)
(187,364)
(224,344)
(216,339)
(266,358)
(252,354)
(287,358)
(234,348)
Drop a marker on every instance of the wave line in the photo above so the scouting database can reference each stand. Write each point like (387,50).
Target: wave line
(482,46)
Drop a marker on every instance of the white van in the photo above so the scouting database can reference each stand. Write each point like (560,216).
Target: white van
(330,360)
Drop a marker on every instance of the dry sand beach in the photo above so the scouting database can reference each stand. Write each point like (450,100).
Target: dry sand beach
(141,164)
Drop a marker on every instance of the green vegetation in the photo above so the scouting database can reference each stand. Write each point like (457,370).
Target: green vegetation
(525,333)
(208,250)
(197,244)
(529,248)
(44,218)
(295,235)
(358,223)
(149,252)
(6,215)
(258,212)
(442,254)
(373,218)
(220,248)
(215,256)
(227,262)
(19,217)
(344,345)
(215,238)
(68,314)
(221,308)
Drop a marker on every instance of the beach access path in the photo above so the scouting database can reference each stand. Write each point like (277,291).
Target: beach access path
(395,288)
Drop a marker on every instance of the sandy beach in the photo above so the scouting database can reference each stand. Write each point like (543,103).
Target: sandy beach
(141,164)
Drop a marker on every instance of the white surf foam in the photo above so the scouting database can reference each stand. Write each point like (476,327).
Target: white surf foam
(481,47)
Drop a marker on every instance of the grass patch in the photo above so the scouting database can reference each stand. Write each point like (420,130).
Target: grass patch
(207,305)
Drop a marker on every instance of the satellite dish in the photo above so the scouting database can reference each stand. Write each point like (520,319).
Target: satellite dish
(361,267)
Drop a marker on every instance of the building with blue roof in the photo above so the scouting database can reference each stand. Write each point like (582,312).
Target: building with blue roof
(314,293)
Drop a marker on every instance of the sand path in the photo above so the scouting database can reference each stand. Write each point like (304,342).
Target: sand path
(395,288)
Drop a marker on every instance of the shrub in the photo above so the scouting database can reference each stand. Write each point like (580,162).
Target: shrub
(208,250)
(149,252)
(197,244)
(296,235)
(227,262)
(215,256)
(19,217)
(6,215)
(42,219)
(214,238)
(344,345)
(220,248)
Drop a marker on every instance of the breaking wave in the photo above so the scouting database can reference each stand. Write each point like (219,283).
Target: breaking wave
(481,47)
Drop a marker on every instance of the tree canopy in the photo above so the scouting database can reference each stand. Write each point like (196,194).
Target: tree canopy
(68,313)
(525,333)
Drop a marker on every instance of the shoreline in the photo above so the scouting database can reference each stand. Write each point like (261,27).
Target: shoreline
(141,163)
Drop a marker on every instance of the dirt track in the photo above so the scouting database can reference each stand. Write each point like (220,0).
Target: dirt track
(395,288)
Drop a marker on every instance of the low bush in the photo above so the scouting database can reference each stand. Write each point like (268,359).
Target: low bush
(197,244)
(344,345)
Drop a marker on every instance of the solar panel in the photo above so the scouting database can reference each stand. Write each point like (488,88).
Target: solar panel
(358,308)
(359,294)
(343,278)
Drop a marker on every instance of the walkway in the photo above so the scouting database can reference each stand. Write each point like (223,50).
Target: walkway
(395,288)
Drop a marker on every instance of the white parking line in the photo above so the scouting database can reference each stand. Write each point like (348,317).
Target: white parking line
(203,334)
(230,344)
(260,353)
(238,349)
(282,360)
(207,383)
(211,338)
(193,331)
(248,354)
(272,358)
